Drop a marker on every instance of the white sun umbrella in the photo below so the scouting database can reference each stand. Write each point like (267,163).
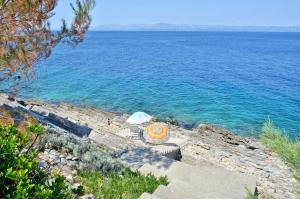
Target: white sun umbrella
(139,118)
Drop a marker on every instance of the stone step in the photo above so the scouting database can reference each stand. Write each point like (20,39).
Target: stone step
(207,181)
(158,169)
(177,189)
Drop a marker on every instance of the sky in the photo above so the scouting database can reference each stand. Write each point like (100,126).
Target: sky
(192,12)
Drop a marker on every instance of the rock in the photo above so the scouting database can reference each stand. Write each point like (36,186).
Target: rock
(70,179)
(267,169)
(222,154)
(66,170)
(74,172)
(47,151)
(75,158)
(88,196)
(63,161)
(82,165)
(216,146)
(204,127)
(203,145)
(11,98)
(242,160)
(22,102)
(23,150)
(43,164)
(118,153)
(69,157)
(57,160)
(279,191)
(51,157)
(230,141)
(71,163)
(53,152)
(75,186)
(253,144)
(231,138)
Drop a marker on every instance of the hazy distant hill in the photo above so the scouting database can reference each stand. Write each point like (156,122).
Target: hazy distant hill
(184,27)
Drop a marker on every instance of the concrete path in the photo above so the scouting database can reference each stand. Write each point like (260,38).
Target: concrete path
(188,181)
(203,182)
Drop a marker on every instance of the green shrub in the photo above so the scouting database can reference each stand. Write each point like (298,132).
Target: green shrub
(129,184)
(280,143)
(250,195)
(92,156)
(20,175)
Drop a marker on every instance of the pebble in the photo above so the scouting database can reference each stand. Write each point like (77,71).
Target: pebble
(63,161)
(43,164)
(70,179)
(88,196)
(71,163)
(75,158)
(66,170)
(47,150)
(75,186)
(52,156)
(74,172)
(267,169)
(53,152)
(69,157)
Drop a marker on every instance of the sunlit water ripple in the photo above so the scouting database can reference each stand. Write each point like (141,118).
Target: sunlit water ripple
(235,80)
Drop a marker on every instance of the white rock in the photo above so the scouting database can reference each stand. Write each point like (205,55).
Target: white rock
(88,196)
(69,157)
(70,179)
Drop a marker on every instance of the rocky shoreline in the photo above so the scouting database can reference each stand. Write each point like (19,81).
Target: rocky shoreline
(204,145)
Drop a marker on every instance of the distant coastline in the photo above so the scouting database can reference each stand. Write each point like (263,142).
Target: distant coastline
(186,27)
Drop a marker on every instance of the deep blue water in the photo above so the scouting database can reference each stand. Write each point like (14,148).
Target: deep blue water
(235,80)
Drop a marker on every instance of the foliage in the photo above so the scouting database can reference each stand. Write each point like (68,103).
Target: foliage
(250,195)
(92,156)
(26,36)
(280,143)
(20,175)
(9,115)
(129,184)
(5,118)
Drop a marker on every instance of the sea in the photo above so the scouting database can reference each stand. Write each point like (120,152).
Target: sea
(236,80)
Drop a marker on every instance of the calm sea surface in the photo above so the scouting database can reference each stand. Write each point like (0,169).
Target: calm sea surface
(235,80)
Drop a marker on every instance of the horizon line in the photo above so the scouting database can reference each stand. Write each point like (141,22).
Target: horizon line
(191,27)
(183,24)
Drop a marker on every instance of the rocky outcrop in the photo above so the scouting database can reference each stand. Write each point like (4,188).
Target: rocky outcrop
(66,165)
(217,146)
(206,145)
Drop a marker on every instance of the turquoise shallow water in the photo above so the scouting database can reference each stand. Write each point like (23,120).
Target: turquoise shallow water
(235,80)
